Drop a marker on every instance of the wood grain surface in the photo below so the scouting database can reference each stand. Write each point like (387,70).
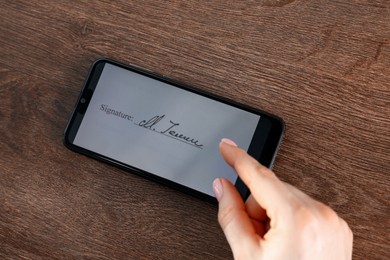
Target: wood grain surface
(323,66)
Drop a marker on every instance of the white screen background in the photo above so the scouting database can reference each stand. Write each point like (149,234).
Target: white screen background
(142,98)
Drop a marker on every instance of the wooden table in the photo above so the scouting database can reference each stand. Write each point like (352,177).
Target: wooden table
(323,66)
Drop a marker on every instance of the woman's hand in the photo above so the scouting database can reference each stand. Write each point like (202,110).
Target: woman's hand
(278,221)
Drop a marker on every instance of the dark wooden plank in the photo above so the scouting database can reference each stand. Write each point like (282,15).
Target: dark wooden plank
(324,66)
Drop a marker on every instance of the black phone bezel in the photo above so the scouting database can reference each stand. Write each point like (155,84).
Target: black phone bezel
(270,126)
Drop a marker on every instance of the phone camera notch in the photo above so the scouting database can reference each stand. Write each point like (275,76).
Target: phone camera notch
(84,101)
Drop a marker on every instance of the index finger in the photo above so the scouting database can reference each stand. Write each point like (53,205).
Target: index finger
(265,187)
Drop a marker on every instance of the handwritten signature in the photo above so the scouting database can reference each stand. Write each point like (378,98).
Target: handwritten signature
(171,131)
(152,123)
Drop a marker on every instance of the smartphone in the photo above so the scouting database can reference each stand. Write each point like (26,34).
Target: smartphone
(166,131)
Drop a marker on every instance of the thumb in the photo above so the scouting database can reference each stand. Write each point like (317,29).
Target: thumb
(233,218)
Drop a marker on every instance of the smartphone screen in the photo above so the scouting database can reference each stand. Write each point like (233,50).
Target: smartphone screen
(164,130)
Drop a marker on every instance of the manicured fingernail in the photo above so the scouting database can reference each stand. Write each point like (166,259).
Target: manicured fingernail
(229,142)
(217,188)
